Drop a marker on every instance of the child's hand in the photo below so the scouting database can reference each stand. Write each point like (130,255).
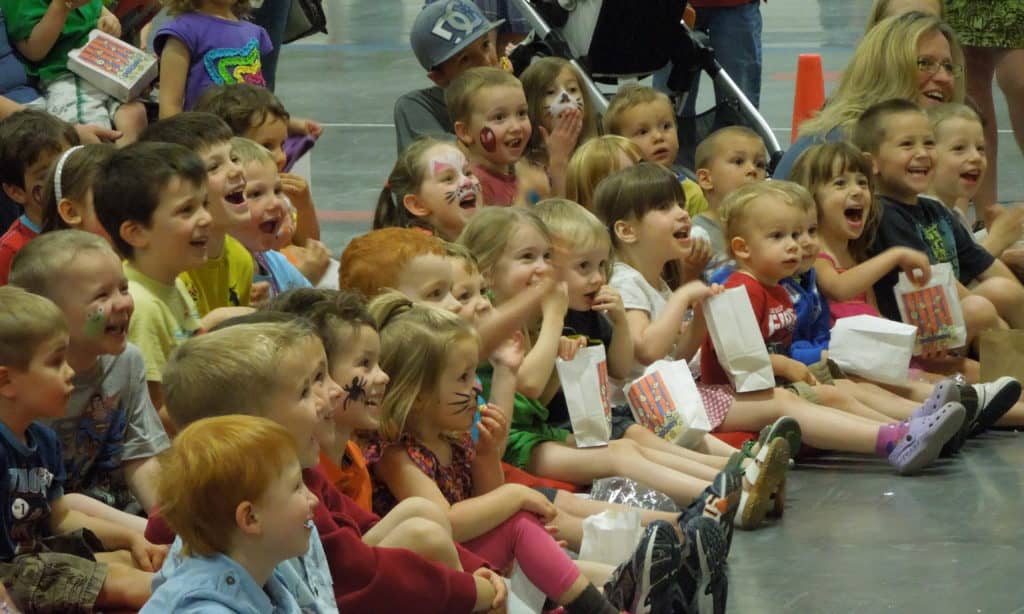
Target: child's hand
(75,4)
(312,259)
(260,293)
(493,430)
(89,134)
(698,258)
(109,24)
(569,346)
(797,371)
(498,584)
(510,353)
(915,264)
(297,190)
(536,503)
(609,301)
(1008,227)
(694,291)
(147,556)
(561,142)
(300,126)
(556,302)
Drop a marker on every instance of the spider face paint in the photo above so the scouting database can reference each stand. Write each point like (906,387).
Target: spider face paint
(355,392)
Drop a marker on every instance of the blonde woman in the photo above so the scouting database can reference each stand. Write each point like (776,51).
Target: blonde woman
(914,56)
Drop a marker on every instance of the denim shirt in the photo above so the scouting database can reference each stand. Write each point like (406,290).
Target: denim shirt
(307,578)
(215,584)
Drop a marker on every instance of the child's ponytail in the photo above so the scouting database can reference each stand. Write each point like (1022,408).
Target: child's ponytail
(406,178)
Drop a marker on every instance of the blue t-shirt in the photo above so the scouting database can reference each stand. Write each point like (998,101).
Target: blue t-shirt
(31,478)
(813,319)
(272,266)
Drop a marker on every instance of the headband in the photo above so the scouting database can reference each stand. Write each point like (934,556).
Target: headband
(60,168)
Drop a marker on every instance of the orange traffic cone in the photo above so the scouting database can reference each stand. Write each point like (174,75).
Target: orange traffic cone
(810,90)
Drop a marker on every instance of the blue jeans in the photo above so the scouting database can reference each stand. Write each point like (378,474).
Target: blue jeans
(273,16)
(735,33)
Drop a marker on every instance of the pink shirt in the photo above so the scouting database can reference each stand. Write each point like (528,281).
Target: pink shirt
(500,189)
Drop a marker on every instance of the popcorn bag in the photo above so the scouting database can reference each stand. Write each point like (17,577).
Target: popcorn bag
(585,386)
(874,348)
(738,343)
(666,402)
(113,66)
(933,308)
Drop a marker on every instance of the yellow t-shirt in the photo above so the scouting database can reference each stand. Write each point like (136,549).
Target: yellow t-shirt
(222,282)
(164,318)
(695,201)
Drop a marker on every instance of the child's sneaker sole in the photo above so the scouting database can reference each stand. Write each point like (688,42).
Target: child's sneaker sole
(764,476)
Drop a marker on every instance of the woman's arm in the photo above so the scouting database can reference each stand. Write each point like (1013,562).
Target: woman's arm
(174,63)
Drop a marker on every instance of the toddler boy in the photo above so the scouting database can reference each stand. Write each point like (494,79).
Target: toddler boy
(489,113)
(30,142)
(150,198)
(727,159)
(47,550)
(283,369)
(225,278)
(448,37)
(646,117)
(898,138)
(110,433)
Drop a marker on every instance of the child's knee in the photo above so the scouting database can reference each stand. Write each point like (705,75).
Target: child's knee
(979,313)
(624,446)
(424,537)
(832,396)
(1005,293)
(418,507)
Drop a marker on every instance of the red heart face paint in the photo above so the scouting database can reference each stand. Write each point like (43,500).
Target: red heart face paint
(487,140)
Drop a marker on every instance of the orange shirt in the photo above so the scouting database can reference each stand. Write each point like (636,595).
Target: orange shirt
(352,478)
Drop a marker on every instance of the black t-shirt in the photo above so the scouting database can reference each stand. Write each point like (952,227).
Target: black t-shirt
(931,228)
(596,328)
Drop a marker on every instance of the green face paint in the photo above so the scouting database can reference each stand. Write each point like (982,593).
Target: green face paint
(95,322)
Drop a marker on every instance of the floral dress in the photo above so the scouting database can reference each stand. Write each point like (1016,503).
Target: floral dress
(454,480)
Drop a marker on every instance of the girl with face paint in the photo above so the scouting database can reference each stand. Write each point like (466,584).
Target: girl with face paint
(431,187)
(563,116)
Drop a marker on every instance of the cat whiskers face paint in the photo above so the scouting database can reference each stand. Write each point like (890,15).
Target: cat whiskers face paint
(464,403)
(95,322)
(467,191)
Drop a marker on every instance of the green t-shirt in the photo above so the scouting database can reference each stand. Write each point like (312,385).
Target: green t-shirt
(23,15)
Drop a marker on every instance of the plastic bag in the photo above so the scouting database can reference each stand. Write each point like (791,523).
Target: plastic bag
(585,386)
(611,536)
(665,401)
(934,309)
(629,492)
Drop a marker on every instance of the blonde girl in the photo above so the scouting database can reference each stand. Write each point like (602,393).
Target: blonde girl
(913,56)
(838,176)
(67,194)
(197,38)
(430,187)
(426,451)
(562,112)
(595,160)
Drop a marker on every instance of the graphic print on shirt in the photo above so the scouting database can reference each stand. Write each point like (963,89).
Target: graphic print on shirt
(226,66)
(779,318)
(92,446)
(939,239)
(27,487)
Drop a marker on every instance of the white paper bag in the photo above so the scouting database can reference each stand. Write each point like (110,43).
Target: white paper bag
(523,596)
(665,401)
(933,308)
(611,536)
(585,386)
(875,348)
(737,338)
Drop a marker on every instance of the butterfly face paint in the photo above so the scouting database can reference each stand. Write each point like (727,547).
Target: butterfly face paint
(95,322)
(563,101)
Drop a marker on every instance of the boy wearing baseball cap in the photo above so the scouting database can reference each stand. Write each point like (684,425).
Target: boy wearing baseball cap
(448,37)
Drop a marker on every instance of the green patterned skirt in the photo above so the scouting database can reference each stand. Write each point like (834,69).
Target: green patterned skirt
(987,23)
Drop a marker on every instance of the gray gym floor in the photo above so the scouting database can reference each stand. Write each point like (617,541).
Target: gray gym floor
(855,538)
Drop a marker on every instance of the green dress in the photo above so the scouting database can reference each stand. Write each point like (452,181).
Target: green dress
(987,23)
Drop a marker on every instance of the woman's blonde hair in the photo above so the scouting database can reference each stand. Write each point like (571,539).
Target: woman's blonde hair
(595,160)
(880,10)
(241,8)
(489,232)
(414,341)
(536,80)
(883,66)
(214,465)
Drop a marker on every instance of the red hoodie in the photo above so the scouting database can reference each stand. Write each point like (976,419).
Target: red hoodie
(369,579)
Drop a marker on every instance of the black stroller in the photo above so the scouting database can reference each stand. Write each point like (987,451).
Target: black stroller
(609,40)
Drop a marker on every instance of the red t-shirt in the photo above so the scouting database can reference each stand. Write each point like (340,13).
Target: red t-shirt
(775,315)
(11,243)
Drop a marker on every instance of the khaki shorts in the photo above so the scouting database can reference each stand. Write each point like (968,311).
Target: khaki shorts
(64,577)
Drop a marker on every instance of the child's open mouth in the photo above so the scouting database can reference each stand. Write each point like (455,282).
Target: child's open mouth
(199,242)
(118,330)
(920,171)
(661,152)
(683,234)
(972,177)
(854,214)
(269,227)
(514,143)
(236,198)
(468,201)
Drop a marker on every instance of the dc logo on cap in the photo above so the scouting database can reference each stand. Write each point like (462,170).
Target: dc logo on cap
(457,21)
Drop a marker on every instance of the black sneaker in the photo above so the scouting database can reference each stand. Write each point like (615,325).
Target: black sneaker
(994,400)
(648,582)
(719,502)
(704,576)
(958,440)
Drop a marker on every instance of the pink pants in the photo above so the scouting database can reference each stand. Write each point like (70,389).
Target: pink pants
(524,539)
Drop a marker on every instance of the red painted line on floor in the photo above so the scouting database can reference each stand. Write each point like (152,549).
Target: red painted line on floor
(344,216)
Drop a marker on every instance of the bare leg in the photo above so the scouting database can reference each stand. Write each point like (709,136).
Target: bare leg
(131,120)
(1007,295)
(621,457)
(581,507)
(917,391)
(1014,417)
(592,572)
(649,440)
(124,587)
(413,507)
(89,506)
(715,446)
(878,398)
(1010,76)
(832,396)
(120,557)
(980,68)
(426,538)
(822,427)
(658,450)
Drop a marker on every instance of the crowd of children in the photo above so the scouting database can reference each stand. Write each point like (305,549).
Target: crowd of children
(197,413)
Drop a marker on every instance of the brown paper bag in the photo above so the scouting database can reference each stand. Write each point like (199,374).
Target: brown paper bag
(1002,353)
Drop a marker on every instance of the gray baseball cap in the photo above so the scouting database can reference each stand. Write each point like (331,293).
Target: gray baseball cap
(446,27)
